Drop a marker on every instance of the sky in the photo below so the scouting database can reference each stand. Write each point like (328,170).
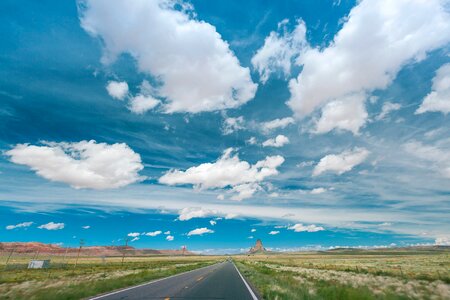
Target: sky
(210,124)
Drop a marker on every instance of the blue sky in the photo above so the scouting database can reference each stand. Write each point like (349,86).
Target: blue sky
(323,121)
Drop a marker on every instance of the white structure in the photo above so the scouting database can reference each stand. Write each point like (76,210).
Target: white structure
(39,264)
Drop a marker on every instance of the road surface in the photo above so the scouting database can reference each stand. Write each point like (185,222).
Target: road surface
(219,281)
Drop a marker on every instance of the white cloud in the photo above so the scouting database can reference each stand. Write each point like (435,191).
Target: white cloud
(169,238)
(442,241)
(85,164)
(227,171)
(250,237)
(304,164)
(196,69)
(244,191)
(279,141)
(200,231)
(276,123)
(341,163)
(212,222)
(20,225)
(302,228)
(347,113)
(231,125)
(386,109)
(52,226)
(279,50)
(252,141)
(134,234)
(167,232)
(274,232)
(355,62)
(135,239)
(140,104)
(220,197)
(230,216)
(117,90)
(439,97)
(86,227)
(317,191)
(253,230)
(153,233)
(188,213)
(439,158)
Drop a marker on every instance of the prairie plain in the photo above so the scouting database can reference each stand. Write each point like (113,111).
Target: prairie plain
(377,274)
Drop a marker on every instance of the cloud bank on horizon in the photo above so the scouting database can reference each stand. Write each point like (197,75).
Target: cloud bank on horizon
(323,121)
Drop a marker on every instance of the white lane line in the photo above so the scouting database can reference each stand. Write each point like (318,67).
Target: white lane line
(148,283)
(246,284)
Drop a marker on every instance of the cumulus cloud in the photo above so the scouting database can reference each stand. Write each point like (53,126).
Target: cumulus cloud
(170,238)
(117,90)
(347,113)
(195,67)
(442,241)
(188,213)
(308,228)
(386,109)
(252,141)
(20,225)
(230,216)
(274,232)
(276,123)
(341,163)
(279,141)
(355,63)
(231,125)
(167,232)
(86,227)
(200,231)
(317,191)
(85,164)
(52,226)
(227,171)
(439,97)
(244,191)
(212,222)
(279,51)
(439,158)
(253,230)
(134,234)
(140,104)
(153,233)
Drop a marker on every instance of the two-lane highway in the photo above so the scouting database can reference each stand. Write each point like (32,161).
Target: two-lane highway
(219,281)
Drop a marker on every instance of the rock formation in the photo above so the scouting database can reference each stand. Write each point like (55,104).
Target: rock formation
(258,248)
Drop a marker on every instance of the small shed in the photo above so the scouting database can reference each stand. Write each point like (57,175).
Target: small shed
(39,264)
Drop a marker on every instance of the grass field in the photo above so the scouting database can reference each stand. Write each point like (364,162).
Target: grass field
(331,275)
(349,276)
(92,275)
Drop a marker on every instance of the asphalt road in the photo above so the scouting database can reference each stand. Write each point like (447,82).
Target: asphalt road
(219,281)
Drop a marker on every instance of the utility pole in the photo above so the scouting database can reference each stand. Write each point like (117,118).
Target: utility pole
(10,254)
(65,254)
(124,249)
(79,250)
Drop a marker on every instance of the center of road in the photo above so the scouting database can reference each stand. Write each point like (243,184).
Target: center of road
(219,281)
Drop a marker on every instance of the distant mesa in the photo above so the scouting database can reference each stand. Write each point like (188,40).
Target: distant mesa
(258,248)
(35,247)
